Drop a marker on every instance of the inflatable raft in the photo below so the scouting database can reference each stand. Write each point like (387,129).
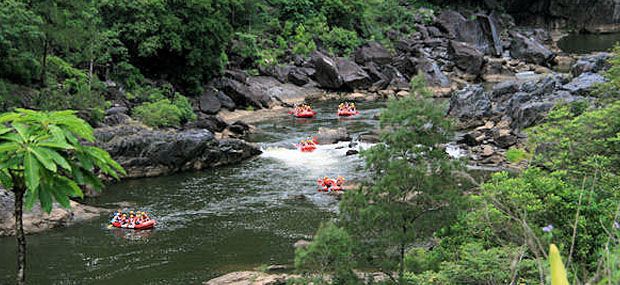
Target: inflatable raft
(307,148)
(142,226)
(307,114)
(347,113)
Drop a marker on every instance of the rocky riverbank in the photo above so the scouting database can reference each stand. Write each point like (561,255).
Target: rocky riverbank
(37,221)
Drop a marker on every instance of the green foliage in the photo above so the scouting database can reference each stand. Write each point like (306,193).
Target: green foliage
(515,155)
(582,144)
(413,191)
(477,265)
(43,158)
(611,89)
(19,37)
(330,252)
(341,41)
(164,112)
(427,278)
(182,41)
(418,260)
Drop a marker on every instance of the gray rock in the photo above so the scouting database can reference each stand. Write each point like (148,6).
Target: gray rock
(145,153)
(327,74)
(466,57)
(529,50)
(241,94)
(116,110)
(353,76)
(225,101)
(116,119)
(470,104)
(331,136)
(209,122)
(432,73)
(298,77)
(209,103)
(591,63)
(584,84)
(372,52)
(36,220)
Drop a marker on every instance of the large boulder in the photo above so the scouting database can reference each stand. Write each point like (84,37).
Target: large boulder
(225,101)
(251,278)
(241,94)
(300,76)
(353,76)
(209,122)
(146,153)
(584,84)
(326,74)
(482,31)
(372,52)
(529,50)
(209,103)
(470,105)
(432,73)
(466,57)
(330,136)
(591,63)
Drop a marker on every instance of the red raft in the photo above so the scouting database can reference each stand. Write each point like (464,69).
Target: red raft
(305,114)
(307,148)
(142,226)
(347,113)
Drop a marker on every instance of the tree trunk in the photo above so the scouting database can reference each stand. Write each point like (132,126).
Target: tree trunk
(43,65)
(90,72)
(21,238)
(401,270)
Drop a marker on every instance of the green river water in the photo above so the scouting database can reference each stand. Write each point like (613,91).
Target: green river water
(210,222)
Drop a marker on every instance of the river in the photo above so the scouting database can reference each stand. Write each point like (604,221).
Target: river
(211,222)
(587,43)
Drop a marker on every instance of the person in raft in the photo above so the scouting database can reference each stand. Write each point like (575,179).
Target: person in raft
(352,107)
(131,219)
(117,217)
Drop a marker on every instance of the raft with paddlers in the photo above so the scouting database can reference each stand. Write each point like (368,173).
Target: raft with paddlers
(327,185)
(303,111)
(307,145)
(142,226)
(133,220)
(347,109)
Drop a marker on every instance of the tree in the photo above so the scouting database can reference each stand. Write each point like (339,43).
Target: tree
(179,41)
(330,252)
(42,158)
(412,182)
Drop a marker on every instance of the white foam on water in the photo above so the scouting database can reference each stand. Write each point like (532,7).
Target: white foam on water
(325,160)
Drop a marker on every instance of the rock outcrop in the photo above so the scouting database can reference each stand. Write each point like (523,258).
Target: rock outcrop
(36,220)
(327,74)
(529,50)
(493,121)
(251,278)
(330,136)
(144,152)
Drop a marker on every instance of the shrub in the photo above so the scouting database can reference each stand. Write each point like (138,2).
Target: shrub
(165,113)
(340,41)
(515,155)
(330,252)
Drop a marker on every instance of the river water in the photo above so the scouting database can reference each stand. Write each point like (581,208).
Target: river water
(211,222)
(587,43)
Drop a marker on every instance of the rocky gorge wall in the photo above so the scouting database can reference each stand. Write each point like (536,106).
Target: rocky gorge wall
(593,16)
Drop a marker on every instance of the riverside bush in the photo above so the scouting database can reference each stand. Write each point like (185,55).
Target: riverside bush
(165,113)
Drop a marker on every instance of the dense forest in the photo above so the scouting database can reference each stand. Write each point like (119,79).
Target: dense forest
(421,218)
(61,54)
